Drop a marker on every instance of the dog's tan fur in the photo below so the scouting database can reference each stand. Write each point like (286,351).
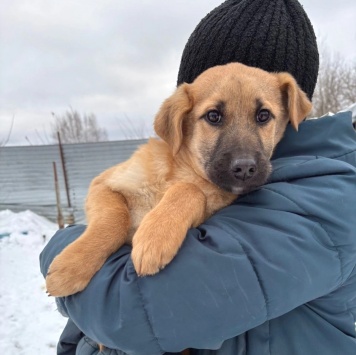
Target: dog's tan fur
(164,189)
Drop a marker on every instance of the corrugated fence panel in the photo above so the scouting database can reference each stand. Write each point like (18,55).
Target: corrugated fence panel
(27,178)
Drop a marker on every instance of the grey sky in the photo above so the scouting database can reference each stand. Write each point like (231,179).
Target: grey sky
(116,59)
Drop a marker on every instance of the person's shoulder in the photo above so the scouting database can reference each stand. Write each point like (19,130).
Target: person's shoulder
(331,136)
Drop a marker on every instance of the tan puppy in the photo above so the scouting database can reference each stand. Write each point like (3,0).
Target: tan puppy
(217,137)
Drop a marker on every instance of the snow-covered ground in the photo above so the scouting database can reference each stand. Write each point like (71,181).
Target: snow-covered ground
(29,321)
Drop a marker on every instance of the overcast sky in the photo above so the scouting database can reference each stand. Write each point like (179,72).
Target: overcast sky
(116,59)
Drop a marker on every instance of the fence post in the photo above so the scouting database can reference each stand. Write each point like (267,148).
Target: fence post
(71,215)
(64,169)
(60,219)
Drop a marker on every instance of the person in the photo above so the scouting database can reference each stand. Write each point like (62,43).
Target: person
(274,273)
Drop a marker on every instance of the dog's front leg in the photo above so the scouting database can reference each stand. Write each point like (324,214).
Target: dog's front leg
(163,230)
(108,225)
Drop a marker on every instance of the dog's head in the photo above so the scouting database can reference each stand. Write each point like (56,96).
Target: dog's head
(228,122)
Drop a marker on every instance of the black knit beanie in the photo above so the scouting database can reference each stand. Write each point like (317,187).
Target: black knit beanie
(274,35)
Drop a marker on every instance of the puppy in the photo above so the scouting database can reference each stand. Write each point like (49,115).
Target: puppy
(217,137)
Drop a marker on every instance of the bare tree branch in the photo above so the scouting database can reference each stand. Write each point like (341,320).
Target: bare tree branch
(3,143)
(75,128)
(336,86)
(134,130)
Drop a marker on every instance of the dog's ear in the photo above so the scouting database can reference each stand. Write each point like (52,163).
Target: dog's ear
(168,123)
(294,98)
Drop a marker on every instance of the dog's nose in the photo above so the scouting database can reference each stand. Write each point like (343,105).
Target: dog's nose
(244,169)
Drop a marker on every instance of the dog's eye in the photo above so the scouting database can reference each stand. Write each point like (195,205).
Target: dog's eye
(263,116)
(213,117)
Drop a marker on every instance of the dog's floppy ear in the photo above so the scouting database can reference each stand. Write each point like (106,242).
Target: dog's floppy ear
(169,119)
(296,101)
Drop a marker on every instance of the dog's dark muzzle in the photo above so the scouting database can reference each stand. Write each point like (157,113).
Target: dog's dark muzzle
(239,174)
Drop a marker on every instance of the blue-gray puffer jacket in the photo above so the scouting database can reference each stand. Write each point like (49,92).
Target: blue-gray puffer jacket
(272,274)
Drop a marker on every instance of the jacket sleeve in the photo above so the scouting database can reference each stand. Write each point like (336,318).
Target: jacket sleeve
(268,253)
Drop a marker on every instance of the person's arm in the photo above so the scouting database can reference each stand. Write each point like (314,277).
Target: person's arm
(251,262)
(69,339)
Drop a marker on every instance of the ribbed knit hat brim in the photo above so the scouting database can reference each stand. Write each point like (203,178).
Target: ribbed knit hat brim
(274,35)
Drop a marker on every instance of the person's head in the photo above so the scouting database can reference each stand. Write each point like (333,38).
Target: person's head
(274,35)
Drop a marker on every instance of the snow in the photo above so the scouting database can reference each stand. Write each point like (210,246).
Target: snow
(29,322)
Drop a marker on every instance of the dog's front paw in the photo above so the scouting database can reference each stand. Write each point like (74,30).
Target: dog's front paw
(149,257)
(153,248)
(69,273)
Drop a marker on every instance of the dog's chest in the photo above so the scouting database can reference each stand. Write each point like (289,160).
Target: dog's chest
(140,203)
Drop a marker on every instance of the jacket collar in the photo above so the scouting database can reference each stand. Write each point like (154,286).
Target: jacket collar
(330,137)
